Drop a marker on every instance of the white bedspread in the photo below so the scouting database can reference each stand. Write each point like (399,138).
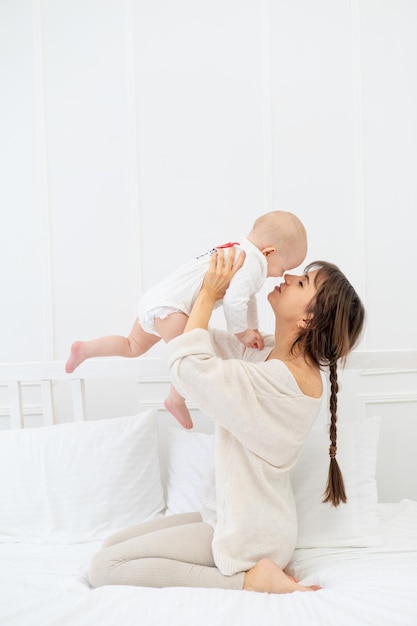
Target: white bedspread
(46,586)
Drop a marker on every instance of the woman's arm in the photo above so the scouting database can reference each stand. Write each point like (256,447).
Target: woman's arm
(215,284)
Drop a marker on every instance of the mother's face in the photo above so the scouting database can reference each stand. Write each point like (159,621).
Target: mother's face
(290,299)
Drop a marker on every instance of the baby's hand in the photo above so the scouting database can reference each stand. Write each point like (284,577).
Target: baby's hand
(251,338)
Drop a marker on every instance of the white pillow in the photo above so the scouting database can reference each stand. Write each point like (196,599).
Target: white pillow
(78,482)
(356,522)
(352,524)
(189,458)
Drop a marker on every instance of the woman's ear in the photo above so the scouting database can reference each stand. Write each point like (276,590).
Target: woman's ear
(305,321)
(268,251)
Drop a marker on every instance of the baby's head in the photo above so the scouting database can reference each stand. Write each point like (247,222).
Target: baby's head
(282,239)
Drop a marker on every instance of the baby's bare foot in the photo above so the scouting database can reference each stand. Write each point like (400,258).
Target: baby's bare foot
(76,357)
(266,576)
(180,412)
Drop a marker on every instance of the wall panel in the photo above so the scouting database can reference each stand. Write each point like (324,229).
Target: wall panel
(198,77)
(313,122)
(92,241)
(22,329)
(388,33)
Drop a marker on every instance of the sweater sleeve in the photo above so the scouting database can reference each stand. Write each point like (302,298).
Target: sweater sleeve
(248,399)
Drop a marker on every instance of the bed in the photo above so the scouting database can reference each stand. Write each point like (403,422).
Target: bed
(83,455)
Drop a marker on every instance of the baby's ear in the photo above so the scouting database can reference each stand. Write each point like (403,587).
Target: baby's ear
(268,251)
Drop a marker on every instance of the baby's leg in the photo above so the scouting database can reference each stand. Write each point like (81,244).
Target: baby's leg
(175,404)
(135,344)
(170,327)
(175,555)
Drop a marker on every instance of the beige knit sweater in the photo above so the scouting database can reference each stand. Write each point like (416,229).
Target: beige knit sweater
(261,421)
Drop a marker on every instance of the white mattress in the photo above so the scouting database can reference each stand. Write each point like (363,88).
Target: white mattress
(46,586)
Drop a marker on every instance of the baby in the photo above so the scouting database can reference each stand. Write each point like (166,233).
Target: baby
(276,243)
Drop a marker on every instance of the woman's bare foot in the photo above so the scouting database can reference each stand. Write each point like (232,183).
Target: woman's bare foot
(268,577)
(292,577)
(180,412)
(76,357)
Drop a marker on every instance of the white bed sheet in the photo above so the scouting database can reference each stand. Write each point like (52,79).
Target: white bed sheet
(46,586)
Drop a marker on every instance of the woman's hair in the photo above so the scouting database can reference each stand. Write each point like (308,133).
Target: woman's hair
(336,318)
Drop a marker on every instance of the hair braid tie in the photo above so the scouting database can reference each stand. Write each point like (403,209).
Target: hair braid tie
(332,452)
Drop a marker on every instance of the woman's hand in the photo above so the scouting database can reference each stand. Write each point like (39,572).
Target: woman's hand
(215,283)
(221,272)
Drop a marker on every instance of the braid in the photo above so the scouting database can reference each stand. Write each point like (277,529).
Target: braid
(335,489)
(335,321)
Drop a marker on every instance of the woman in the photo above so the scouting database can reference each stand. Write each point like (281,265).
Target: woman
(263,403)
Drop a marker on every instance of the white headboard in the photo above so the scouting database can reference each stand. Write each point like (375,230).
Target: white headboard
(373,383)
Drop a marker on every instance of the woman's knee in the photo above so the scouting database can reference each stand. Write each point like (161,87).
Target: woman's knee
(99,570)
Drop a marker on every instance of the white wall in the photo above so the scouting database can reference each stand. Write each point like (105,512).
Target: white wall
(137,133)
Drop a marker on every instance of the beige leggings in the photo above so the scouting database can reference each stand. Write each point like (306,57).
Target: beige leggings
(172,551)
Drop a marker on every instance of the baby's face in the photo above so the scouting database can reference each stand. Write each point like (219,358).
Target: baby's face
(279,263)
